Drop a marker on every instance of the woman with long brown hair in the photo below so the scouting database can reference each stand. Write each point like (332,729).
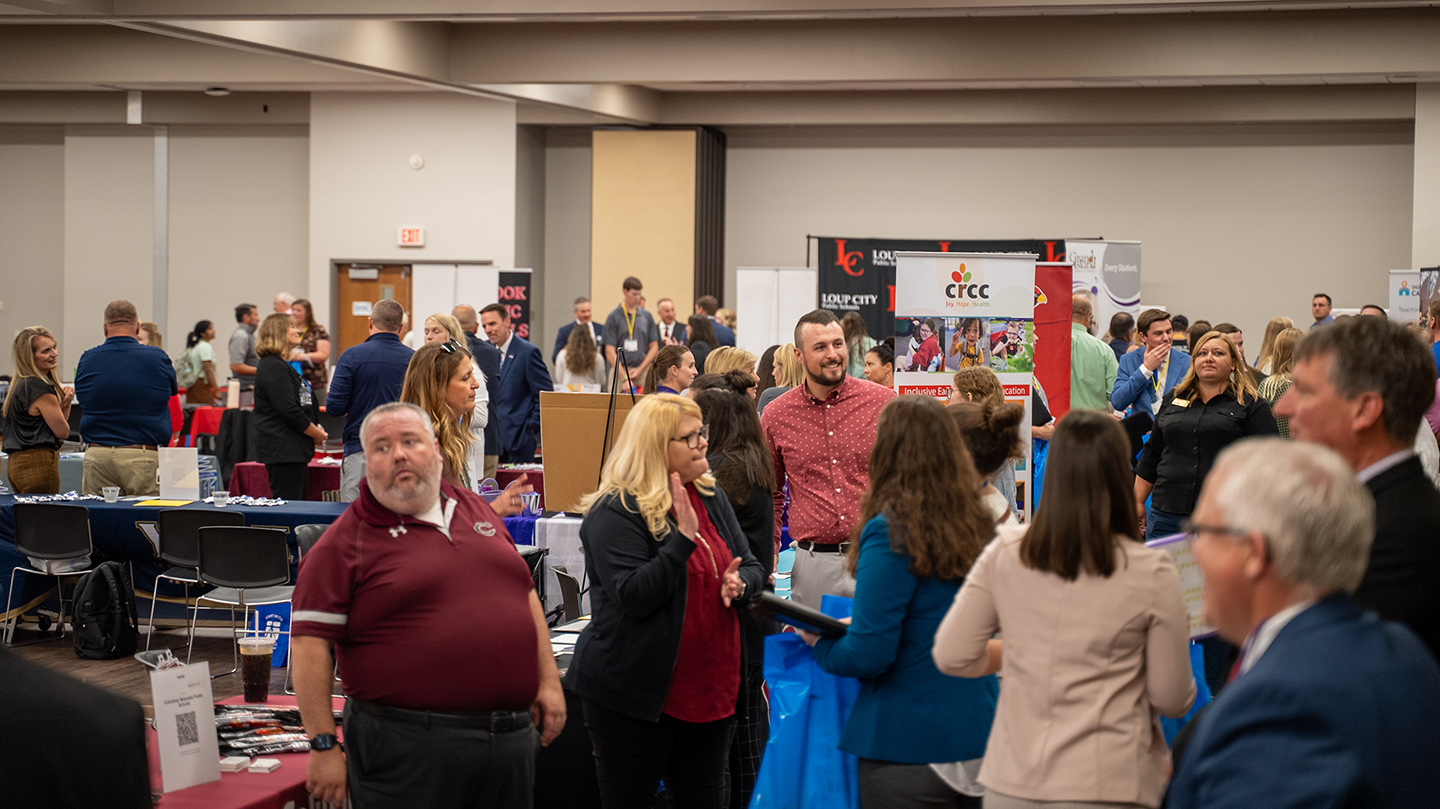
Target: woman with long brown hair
(314,349)
(580,362)
(36,413)
(858,343)
(916,731)
(700,338)
(441,379)
(1096,637)
(672,371)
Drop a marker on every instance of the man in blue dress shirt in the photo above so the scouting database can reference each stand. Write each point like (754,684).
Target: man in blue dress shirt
(124,390)
(367,376)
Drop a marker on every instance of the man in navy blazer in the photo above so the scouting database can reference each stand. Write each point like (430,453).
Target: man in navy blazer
(1136,387)
(1329,705)
(582,316)
(522,376)
(487,358)
(708,305)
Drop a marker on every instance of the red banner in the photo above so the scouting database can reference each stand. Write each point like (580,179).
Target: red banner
(1052,334)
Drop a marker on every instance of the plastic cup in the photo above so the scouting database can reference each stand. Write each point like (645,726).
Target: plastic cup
(221,498)
(112,493)
(531,502)
(255,655)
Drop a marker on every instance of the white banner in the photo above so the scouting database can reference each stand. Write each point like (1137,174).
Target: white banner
(1109,271)
(1404,295)
(962,310)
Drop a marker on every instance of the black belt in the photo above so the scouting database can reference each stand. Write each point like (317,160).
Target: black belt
(493,721)
(817,547)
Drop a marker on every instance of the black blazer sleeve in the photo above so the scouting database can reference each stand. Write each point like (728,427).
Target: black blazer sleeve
(751,571)
(277,384)
(619,544)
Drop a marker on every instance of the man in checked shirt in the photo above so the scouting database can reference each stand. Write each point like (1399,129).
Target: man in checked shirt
(820,435)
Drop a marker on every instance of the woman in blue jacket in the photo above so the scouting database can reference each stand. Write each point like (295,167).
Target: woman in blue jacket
(919,734)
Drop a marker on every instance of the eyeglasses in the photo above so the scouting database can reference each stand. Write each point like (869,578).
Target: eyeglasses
(1193,531)
(693,440)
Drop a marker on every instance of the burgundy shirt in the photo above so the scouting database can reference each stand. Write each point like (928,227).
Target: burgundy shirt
(418,620)
(823,449)
(706,681)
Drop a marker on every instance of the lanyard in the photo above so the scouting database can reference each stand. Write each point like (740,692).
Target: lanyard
(630,318)
(1159,380)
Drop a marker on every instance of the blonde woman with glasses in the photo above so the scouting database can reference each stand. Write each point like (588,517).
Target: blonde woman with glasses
(659,666)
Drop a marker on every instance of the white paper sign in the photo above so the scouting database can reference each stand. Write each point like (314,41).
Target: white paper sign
(185,726)
(1192,581)
(1404,295)
(361,308)
(179,473)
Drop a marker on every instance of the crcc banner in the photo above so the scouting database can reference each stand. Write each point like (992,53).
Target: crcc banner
(966,310)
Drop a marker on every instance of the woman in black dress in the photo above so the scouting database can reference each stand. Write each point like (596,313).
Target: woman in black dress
(286,432)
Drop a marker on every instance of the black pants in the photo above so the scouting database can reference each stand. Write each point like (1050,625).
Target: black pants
(748,745)
(404,764)
(887,785)
(287,480)
(632,755)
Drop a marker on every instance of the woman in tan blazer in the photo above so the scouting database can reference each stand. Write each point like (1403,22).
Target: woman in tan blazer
(1095,637)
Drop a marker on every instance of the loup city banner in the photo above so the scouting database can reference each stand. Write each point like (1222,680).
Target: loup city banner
(858,275)
(961,310)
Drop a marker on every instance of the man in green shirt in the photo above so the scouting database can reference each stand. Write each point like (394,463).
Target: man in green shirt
(1092,363)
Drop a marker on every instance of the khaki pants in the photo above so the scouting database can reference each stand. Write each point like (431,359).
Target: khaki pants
(352,471)
(135,471)
(492,462)
(818,574)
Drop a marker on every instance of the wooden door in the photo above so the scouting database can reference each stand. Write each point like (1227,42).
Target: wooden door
(358,287)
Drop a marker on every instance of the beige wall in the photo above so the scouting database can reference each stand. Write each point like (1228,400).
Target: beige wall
(1425,249)
(642,218)
(109,230)
(1240,224)
(530,219)
(32,233)
(362,188)
(238,213)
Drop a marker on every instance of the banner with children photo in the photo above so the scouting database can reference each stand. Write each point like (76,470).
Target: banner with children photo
(968,310)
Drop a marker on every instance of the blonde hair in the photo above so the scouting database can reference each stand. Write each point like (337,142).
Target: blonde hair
(24,352)
(639,465)
(1267,345)
(1283,352)
(1241,382)
(426,380)
(727,316)
(273,336)
(156,339)
(450,325)
(788,370)
(729,358)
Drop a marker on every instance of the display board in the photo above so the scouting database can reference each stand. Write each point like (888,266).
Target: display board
(442,287)
(958,310)
(858,275)
(1052,334)
(514,293)
(769,302)
(1404,295)
(1110,271)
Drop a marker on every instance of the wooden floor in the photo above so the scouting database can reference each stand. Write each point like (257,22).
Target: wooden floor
(129,677)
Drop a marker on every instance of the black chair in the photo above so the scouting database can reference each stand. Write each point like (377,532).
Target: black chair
(307,535)
(534,557)
(178,545)
(569,594)
(56,540)
(248,566)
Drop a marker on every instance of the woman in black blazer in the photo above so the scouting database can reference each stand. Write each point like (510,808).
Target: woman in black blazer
(660,667)
(285,430)
(741,462)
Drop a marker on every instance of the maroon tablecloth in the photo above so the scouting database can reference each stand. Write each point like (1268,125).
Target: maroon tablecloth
(505,477)
(249,478)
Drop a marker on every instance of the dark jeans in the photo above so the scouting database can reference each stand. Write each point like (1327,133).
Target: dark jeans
(632,755)
(1162,523)
(888,785)
(404,764)
(287,480)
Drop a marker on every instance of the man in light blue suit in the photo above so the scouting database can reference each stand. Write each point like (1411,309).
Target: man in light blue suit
(522,377)
(1329,706)
(1145,376)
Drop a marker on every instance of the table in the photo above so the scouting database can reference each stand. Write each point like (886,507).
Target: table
(72,470)
(244,790)
(206,420)
(323,483)
(115,534)
(507,474)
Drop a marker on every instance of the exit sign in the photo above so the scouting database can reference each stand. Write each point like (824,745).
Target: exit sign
(412,237)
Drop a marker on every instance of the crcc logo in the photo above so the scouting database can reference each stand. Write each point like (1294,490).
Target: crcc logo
(962,288)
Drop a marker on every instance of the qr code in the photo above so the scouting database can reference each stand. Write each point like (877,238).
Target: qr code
(186,729)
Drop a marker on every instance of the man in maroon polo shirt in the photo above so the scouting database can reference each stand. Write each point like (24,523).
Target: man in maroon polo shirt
(820,436)
(440,638)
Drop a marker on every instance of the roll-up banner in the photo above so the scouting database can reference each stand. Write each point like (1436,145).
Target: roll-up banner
(961,310)
(514,293)
(1110,272)
(1052,334)
(1404,295)
(858,275)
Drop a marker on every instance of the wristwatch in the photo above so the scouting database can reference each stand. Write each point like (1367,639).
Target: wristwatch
(323,742)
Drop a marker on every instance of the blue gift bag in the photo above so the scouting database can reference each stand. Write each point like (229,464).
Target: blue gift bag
(803,767)
(1202,694)
(274,620)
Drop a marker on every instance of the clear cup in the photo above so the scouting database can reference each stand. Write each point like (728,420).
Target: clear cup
(112,493)
(255,653)
(221,497)
(531,503)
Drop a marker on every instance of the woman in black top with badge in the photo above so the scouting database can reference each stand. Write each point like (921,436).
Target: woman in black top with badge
(37,414)
(285,430)
(1215,405)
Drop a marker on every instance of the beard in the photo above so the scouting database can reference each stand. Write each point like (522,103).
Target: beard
(827,374)
(412,496)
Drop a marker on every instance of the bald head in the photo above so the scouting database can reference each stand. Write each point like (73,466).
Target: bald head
(469,320)
(1081,309)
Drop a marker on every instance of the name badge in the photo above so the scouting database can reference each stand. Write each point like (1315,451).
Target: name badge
(632,345)
(1181,402)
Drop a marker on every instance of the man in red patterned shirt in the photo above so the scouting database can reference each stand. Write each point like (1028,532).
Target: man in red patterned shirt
(820,435)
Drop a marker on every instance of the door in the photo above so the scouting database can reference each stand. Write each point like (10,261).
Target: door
(358,287)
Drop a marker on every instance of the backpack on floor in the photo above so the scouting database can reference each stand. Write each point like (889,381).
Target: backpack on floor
(104,621)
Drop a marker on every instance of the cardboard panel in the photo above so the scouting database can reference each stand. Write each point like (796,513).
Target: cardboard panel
(572,433)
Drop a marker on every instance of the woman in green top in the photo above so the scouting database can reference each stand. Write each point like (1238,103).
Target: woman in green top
(1282,363)
(857,343)
(199,382)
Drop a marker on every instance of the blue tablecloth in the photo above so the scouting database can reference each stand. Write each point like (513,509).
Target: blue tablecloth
(116,536)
